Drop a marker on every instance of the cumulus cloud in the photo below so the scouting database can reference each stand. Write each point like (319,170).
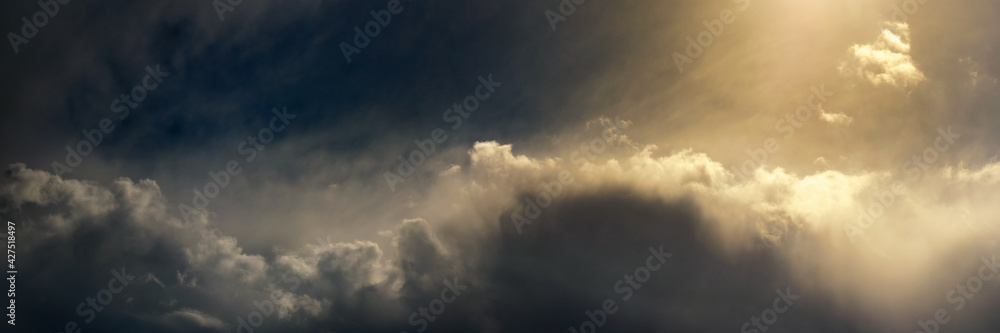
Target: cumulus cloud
(181,265)
(838,118)
(988,174)
(863,256)
(806,217)
(591,234)
(886,61)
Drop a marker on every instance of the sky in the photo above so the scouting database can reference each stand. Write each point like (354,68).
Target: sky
(513,166)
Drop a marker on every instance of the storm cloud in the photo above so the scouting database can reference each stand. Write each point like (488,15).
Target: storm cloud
(820,166)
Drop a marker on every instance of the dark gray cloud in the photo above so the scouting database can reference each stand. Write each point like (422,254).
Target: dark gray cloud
(310,233)
(542,280)
(584,249)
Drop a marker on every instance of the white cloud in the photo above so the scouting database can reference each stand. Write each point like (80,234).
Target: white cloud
(835,118)
(193,317)
(988,174)
(886,60)
(454,169)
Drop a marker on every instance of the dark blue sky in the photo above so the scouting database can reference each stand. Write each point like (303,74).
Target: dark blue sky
(652,149)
